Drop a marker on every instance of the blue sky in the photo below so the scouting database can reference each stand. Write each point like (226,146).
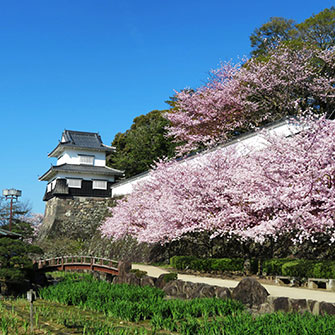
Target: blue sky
(95,65)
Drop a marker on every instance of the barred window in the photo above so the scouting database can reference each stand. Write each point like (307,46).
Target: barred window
(86,159)
(74,183)
(99,185)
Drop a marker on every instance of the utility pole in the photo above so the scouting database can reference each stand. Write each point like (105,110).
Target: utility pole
(11,194)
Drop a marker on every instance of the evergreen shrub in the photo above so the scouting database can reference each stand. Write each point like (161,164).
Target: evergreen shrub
(325,269)
(139,273)
(299,268)
(296,268)
(167,277)
(210,264)
(274,266)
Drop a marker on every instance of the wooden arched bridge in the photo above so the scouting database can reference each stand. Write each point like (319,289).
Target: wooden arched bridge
(73,263)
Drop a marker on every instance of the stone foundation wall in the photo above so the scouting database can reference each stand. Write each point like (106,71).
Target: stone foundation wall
(74,218)
(248,291)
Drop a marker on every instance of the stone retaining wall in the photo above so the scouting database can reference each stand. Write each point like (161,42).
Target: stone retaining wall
(248,291)
(74,218)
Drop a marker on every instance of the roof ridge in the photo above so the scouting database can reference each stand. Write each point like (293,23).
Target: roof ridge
(81,132)
(78,136)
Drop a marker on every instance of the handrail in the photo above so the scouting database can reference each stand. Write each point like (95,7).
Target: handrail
(77,256)
(76,260)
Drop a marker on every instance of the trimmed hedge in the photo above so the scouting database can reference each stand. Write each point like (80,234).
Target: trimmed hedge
(210,264)
(274,266)
(299,268)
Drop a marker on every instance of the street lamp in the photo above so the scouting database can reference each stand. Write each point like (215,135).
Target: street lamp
(11,194)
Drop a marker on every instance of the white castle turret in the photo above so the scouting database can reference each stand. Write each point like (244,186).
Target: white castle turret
(81,169)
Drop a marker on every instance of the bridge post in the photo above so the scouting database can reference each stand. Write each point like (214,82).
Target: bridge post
(91,266)
(62,267)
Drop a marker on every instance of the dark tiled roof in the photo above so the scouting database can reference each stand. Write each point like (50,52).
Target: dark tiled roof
(90,169)
(80,140)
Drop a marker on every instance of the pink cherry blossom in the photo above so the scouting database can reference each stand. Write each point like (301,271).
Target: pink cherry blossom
(288,82)
(288,186)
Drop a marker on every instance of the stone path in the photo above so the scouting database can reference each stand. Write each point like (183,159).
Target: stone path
(274,290)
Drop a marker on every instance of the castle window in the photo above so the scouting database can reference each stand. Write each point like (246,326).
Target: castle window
(74,183)
(86,159)
(99,185)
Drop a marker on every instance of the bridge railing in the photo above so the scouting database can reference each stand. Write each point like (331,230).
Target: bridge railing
(82,260)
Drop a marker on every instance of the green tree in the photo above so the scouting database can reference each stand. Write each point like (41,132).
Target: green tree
(16,254)
(20,208)
(141,145)
(319,29)
(271,34)
(15,258)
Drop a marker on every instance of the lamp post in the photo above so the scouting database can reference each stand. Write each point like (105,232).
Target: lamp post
(11,194)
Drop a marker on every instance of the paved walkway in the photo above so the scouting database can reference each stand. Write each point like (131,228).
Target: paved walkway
(274,290)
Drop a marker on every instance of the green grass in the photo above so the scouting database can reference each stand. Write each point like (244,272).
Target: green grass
(152,314)
(55,318)
(8,321)
(131,303)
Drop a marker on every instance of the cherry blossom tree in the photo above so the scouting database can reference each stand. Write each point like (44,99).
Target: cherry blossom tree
(286,187)
(286,82)
(289,187)
(35,220)
(207,115)
(29,225)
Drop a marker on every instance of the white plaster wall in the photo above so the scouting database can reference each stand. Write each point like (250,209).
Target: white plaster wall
(70,156)
(243,146)
(249,143)
(127,186)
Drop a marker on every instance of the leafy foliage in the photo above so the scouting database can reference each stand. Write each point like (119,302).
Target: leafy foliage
(318,30)
(55,318)
(15,261)
(167,277)
(271,34)
(198,316)
(133,303)
(141,145)
(16,254)
(19,209)
(208,264)
(299,268)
